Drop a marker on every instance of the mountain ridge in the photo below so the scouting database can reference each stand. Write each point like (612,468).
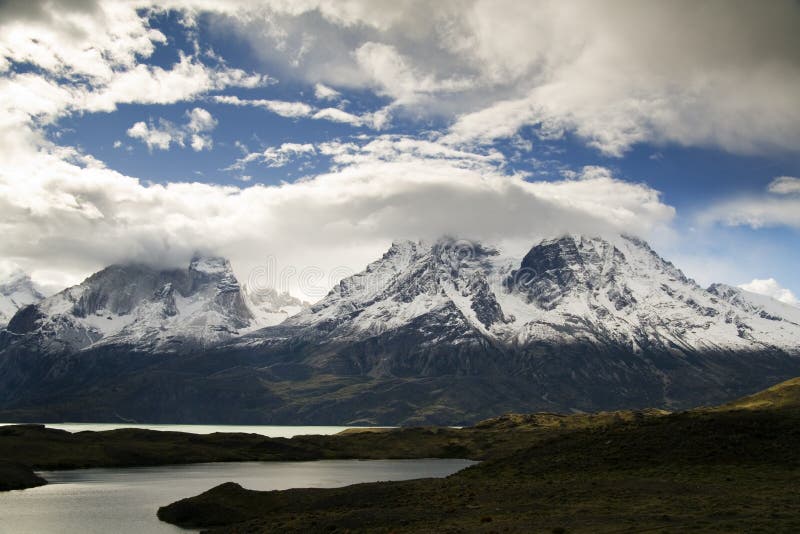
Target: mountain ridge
(450,332)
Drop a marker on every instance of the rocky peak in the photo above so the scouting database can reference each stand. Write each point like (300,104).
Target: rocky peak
(17,292)
(137,303)
(270,307)
(557,267)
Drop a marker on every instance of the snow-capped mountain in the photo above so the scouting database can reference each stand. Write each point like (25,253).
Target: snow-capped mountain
(269,307)
(15,293)
(142,307)
(570,290)
(447,332)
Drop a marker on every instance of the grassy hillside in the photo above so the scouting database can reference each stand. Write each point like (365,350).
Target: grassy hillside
(784,396)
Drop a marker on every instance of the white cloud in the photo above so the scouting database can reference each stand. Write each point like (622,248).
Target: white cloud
(91,39)
(784,185)
(323,92)
(85,216)
(197,129)
(393,75)
(616,73)
(88,57)
(771,288)
(200,124)
(294,110)
(781,208)
(376,120)
(274,156)
(144,84)
(759,212)
(337,115)
(155,137)
(279,107)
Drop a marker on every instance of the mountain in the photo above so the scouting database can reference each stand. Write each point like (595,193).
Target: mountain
(270,307)
(15,293)
(448,332)
(140,307)
(571,290)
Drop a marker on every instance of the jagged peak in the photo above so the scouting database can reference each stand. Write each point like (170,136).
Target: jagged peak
(210,264)
(258,295)
(17,281)
(444,246)
(720,289)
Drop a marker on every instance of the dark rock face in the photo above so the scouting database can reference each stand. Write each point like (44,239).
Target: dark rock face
(119,289)
(554,269)
(25,320)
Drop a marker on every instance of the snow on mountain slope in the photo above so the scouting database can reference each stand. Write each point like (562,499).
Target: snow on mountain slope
(410,280)
(572,290)
(600,291)
(569,290)
(141,306)
(15,293)
(756,304)
(270,307)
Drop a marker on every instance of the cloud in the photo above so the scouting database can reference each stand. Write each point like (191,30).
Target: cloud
(197,129)
(723,74)
(274,156)
(323,92)
(82,38)
(771,288)
(296,110)
(784,185)
(756,213)
(73,212)
(89,56)
(718,73)
(154,137)
(200,123)
(290,110)
(376,120)
(779,208)
(144,84)
(394,75)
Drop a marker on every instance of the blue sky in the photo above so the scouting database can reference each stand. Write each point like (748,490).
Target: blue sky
(343,126)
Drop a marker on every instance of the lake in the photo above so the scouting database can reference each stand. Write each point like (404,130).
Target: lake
(272,431)
(125,500)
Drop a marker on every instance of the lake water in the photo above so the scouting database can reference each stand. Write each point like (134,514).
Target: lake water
(264,430)
(125,500)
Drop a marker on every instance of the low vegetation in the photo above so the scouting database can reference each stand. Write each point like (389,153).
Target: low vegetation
(731,469)
(15,476)
(734,468)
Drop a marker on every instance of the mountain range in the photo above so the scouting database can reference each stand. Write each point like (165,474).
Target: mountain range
(444,332)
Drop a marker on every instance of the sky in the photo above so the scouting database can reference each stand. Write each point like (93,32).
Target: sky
(307,135)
